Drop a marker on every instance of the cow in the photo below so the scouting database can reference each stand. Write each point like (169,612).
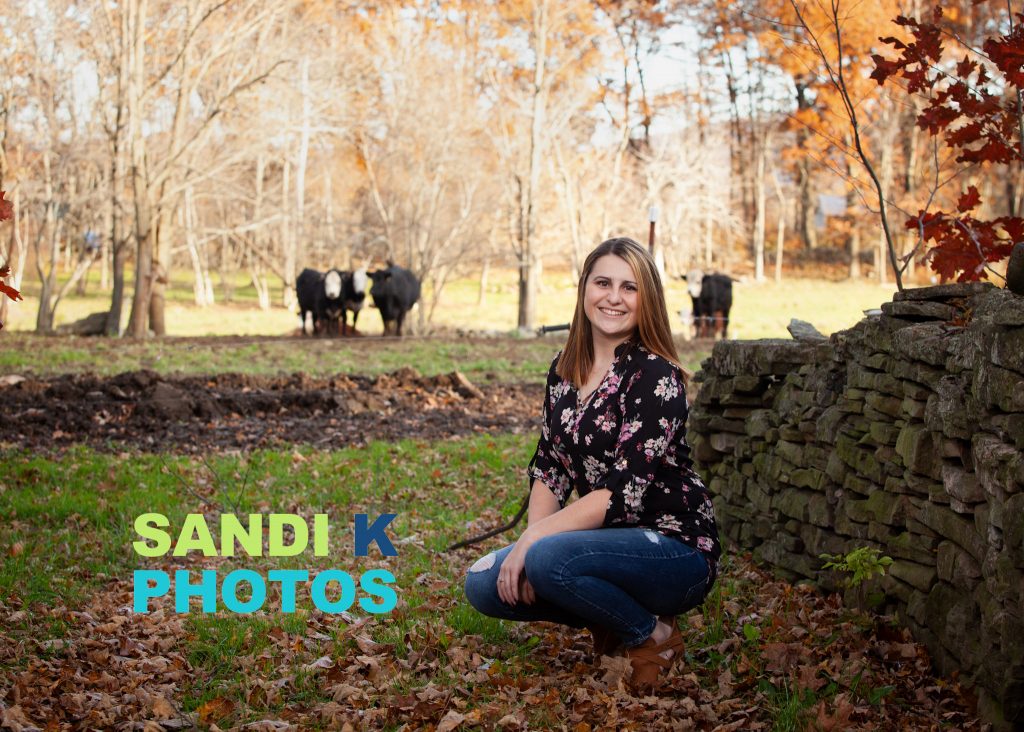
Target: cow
(712,300)
(395,290)
(320,295)
(353,296)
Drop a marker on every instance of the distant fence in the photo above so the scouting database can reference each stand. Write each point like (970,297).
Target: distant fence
(904,433)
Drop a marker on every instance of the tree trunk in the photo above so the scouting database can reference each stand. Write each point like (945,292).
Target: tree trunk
(287,242)
(780,235)
(143,229)
(527,212)
(481,298)
(855,252)
(759,207)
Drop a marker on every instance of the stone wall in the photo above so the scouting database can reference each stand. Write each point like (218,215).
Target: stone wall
(904,433)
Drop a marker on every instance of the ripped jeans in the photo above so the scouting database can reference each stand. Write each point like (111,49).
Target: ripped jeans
(620,579)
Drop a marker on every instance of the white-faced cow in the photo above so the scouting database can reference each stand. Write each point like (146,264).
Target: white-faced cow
(712,300)
(319,294)
(353,296)
(395,290)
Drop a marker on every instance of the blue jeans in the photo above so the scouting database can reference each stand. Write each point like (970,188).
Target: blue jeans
(619,579)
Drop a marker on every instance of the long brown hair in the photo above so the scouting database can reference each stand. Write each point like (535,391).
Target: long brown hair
(652,328)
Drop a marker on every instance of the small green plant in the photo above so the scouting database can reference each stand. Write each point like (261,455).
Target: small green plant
(864,563)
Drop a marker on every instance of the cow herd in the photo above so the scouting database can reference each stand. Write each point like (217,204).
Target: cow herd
(328,297)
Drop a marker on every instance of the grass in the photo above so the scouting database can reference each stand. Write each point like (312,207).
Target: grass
(72,517)
(760,310)
(482,360)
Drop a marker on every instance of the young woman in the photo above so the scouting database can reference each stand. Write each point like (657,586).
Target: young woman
(639,546)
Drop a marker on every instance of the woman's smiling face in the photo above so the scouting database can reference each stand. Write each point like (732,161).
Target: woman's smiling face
(611,298)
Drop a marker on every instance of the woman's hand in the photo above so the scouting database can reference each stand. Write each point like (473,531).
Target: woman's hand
(512,582)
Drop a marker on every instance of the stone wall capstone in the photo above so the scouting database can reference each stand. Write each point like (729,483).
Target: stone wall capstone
(904,433)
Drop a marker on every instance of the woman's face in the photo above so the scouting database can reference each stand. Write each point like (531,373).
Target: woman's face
(611,298)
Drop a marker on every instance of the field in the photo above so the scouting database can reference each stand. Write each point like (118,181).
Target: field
(760,310)
(98,432)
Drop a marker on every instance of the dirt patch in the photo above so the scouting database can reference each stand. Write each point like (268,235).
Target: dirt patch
(149,411)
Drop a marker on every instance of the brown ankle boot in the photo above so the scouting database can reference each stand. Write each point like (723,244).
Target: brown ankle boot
(647,661)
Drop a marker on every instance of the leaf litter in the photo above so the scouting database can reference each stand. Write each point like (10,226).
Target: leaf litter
(831,667)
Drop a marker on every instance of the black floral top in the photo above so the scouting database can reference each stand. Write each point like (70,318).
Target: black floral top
(628,436)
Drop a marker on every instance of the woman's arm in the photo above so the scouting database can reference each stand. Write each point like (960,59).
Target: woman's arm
(543,503)
(586,513)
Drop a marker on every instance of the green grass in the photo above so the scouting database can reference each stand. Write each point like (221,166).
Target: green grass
(760,310)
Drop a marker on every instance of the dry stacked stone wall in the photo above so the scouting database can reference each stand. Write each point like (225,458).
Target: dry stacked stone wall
(904,433)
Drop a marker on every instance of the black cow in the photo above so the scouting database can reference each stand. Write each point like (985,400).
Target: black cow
(712,300)
(395,290)
(320,295)
(353,296)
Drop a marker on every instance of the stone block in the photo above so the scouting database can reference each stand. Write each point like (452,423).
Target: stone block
(790,433)
(859,382)
(961,484)
(749,384)
(828,425)
(1001,307)
(1004,580)
(949,525)
(925,342)
(888,384)
(918,392)
(893,587)
(723,442)
(952,410)
(884,433)
(792,503)
(1008,350)
(920,485)
(956,566)
(890,406)
(1013,528)
(919,576)
(721,424)
(913,409)
(877,361)
(807,478)
(775,554)
(819,511)
(759,497)
(997,387)
(919,310)
(850,406)
(1010,428)
(857,485)
(922,374)
(861,460)
(845,526)
(701,449)
(912,546)
(916,447)
(944,292)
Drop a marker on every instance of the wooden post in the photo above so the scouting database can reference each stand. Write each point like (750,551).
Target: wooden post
(652,216)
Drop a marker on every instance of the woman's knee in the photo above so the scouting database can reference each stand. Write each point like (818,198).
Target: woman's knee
(481,584)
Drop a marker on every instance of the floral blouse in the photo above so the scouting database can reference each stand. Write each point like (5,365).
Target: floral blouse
(628,436)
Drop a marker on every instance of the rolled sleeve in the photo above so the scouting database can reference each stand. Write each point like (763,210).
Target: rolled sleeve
(546,465)
(653,408)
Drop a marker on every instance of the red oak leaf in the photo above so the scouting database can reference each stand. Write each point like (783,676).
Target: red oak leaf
(968,200)
(6,208)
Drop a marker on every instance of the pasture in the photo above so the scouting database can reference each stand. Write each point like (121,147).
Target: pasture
(259,422)
(760,310)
